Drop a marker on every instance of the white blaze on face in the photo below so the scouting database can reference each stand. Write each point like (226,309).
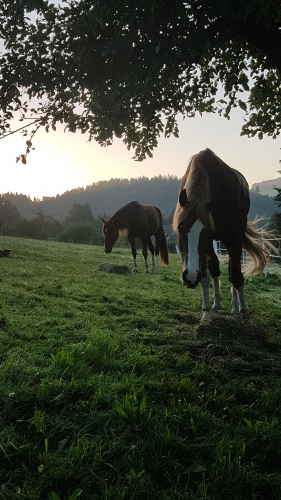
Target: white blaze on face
(193,255)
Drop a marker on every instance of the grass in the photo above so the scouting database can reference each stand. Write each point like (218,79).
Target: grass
(108,390)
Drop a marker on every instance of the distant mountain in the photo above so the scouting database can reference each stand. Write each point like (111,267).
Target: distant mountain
(267,187)
(105,197)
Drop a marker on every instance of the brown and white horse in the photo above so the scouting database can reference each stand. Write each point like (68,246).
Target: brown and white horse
(213,204)
(138,221)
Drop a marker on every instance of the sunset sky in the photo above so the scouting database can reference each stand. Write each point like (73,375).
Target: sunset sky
(63,161)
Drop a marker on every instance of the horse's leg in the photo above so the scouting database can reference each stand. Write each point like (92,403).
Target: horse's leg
(151,248)
(243,308)
(236,278)
(214,268)
(206,307)
(234,300)
(157,248)
(238,302)
(217,294)
(131,240)
(144,252)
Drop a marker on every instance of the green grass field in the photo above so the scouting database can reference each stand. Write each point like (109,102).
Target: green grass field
(111,389)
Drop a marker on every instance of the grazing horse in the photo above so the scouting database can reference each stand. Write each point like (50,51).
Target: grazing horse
(213,204)
(138,221)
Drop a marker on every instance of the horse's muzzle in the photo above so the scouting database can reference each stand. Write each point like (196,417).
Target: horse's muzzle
(191,283)
(107,250)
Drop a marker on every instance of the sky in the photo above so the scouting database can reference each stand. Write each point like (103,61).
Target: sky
(63,161)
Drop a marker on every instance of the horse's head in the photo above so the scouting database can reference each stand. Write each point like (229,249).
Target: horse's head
(194,234)
(110,233)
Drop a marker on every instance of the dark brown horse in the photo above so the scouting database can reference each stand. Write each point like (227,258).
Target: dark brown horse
(213,204)
(138,221)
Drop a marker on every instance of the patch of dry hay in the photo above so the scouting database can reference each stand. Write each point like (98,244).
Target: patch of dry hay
(238,343)
(114,268)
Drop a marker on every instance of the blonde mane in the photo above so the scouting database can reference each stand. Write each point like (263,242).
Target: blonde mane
(196,184)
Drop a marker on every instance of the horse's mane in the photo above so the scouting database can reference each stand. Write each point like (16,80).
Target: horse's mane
(123,217)
(196,184)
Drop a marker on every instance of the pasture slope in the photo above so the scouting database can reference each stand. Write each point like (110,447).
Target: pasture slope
(111,389)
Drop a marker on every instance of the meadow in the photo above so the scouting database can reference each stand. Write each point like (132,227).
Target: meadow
(111,389)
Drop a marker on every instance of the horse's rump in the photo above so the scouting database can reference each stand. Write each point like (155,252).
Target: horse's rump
(154,219)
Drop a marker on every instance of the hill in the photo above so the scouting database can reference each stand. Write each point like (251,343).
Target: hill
(267,187)
(105,197)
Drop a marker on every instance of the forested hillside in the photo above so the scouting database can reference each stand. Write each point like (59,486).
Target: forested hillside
(105,197)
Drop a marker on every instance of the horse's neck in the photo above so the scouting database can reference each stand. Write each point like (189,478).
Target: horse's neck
(120,221)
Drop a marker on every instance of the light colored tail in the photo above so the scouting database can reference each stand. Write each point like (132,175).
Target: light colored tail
(255,243)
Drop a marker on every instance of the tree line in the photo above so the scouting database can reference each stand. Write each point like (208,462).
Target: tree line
(81,222)
(79,226)
(104,197)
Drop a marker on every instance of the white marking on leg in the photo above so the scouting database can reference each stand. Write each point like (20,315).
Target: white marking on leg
(234,301)
(135,268)
(243,308)
(146,266)
(238,302)
(217,294)
(193,256)
(206,316)
(206,307)
(156,262)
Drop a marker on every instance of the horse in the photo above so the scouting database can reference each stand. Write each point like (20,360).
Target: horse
(213,204)
(138,221)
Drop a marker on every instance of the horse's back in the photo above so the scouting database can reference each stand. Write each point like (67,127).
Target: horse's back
(221,176)
(141,219)
(225,181)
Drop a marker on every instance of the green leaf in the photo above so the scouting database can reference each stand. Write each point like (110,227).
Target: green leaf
(242,105)
(76,494)
(53,496)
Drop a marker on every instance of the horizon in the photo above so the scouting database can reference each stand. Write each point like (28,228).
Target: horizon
(84,188)
(63,161)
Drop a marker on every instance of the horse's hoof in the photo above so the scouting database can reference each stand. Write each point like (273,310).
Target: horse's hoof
(135,270)
(205,317)
(216,308)
(244,312)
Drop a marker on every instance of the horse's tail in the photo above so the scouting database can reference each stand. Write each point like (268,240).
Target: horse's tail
(255,243)
(163,248)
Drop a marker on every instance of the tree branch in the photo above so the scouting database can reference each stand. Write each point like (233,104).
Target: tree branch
(21,128)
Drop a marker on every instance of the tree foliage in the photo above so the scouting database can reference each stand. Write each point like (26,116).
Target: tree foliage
(127,68)
(79,214)
(9,214)
(275,221)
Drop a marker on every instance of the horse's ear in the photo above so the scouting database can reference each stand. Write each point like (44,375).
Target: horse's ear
(103,221)
(183,198)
